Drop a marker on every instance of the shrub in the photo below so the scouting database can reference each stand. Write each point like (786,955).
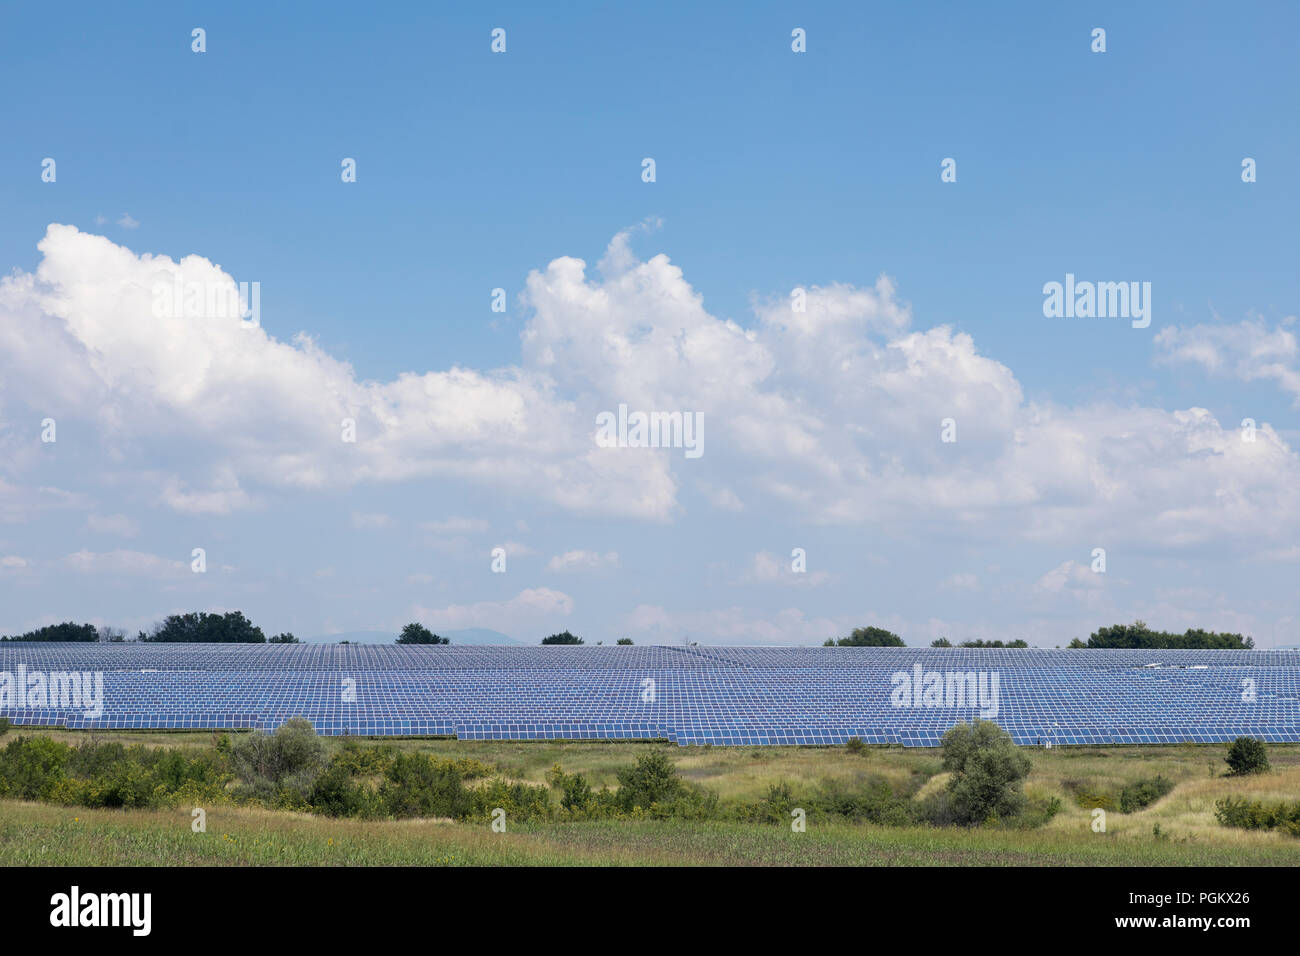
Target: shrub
(1255,815)
(652,779)
(854,745)
(866,798)
(336,794)
(92,759)
(988,772)
(1246,755)
(416,785)
(288,760)
(358,761)
(1137,796)
(776,806)
(31,767)
(126,784)
(1089,798)
(520,801)
(576,795)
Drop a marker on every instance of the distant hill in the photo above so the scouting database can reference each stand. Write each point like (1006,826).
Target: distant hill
(469,635)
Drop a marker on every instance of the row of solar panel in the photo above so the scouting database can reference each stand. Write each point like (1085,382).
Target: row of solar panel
(714,695)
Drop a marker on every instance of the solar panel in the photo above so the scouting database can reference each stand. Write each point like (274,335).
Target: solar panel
(749,696)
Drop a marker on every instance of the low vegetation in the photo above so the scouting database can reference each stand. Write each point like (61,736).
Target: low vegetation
(625,802)
(1247,755)
(1257,815)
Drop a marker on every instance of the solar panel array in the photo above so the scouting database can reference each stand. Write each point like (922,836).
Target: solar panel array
(690,695)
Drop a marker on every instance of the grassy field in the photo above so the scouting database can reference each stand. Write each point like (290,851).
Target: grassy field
(1188,834)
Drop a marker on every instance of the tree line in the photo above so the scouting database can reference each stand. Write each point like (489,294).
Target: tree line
(234,628)
(1135,636)
(229,628)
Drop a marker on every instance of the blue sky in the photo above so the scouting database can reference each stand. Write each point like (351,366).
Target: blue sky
(774,170)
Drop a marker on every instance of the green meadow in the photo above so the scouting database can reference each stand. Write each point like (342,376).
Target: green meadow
(1178,828)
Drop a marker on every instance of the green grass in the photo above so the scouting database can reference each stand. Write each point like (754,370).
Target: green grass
(40,834)
(48,834)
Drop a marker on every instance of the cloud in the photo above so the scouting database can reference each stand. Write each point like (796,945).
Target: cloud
(248,412)
(1248,351)
(961,582)
(515,549)
(831,414)
(125,563)
(370,522)
(582,561)
(530,611)
(127,222)
(456,526)
(733,626)
(1071,577)
(767,568)
(116,524)
(724,499)
(19,503)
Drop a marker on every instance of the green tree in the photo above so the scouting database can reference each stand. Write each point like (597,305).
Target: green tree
(203,628)
(564,637)
(988,772)
(625,640)
(1138,636)
(285,638)
(80,633)
(868,637)
(1247,755)
(415,633)
(941,642)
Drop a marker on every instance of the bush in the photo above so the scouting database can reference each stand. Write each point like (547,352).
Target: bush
(336,794)
(1246,755)
(854,745)
(1254,815)
(285,762)
(417,785)
(1088,798)
(867,797)
(776,806)
(32,767)
(1137,796)
(652,779)
(576,795)
(520,801)
(988,772)
(358,761)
